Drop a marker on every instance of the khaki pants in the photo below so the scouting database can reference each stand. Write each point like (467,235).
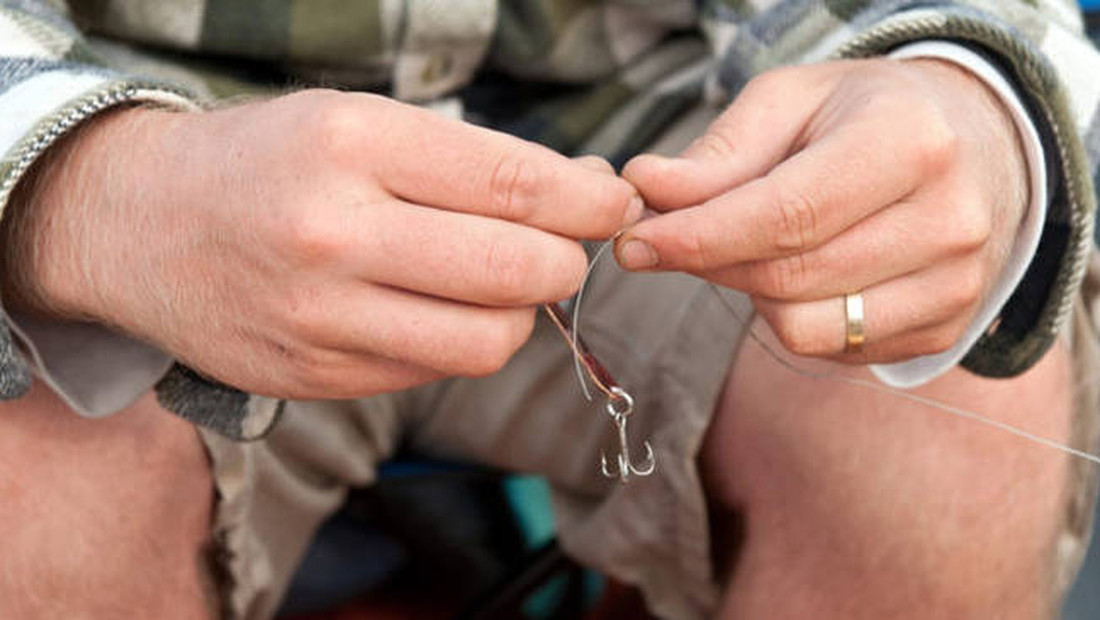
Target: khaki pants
(668,339)
(671,350)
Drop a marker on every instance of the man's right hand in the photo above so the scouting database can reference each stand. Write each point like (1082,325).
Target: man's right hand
(320,244)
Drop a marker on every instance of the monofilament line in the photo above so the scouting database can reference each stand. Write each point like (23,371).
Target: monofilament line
(577,317)
(916,398)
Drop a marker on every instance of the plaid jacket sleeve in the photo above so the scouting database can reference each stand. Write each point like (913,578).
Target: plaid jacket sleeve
(1039,44)
(50,82)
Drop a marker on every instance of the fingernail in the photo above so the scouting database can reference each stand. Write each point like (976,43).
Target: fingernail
(595,163)
(637,254)
(653,160)
(634,210)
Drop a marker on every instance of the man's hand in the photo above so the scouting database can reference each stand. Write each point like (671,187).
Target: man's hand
(904,180)
(320,244)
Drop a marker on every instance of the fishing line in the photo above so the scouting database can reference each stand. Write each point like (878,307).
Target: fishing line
(580,365)
(910,396)
(573,336)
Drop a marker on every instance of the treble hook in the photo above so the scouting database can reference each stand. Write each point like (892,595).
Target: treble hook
(626,467)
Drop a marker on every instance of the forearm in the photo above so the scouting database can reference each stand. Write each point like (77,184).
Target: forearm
(51,85)
(55,208)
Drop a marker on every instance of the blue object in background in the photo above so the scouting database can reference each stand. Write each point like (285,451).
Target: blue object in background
(530,500)
(1090,5)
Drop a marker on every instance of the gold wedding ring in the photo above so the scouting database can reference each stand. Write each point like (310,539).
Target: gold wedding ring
(853,313)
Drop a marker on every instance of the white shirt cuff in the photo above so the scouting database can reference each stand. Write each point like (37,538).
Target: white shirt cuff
(95,370)
(922,369)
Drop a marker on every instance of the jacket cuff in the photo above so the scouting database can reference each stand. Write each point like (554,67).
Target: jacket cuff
(95,370)
(38,110)
(216,406)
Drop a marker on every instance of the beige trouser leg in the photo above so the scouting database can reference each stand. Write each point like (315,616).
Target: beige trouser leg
(669,341)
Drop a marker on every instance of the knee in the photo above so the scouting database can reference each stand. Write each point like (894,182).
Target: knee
(101,517)
(861,499)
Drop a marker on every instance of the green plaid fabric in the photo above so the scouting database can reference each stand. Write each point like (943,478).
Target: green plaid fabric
(554,71)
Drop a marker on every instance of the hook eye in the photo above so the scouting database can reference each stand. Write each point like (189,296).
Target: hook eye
(621,406)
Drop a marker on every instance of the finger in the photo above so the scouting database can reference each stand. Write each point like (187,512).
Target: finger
(759,129)
(937,303)
(799,205)
(595,163)
(928,229)
(444,336)
(459,166)
(466,257)
(927,340)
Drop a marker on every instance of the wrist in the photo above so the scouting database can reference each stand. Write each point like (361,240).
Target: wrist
(67,221)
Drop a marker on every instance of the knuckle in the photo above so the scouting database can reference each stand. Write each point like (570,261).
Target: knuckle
(937,144)
(497,341)
(966,290)
(971,228)
(795,335)
(784,278)
(338,130)
(512,186)
(795,220)
(310,240)
(884,102)
(612,206)
(716,142)
(690,250)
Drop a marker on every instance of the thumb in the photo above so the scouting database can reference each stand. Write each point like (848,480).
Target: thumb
(762,127)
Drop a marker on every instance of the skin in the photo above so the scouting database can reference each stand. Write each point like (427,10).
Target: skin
(798,200)
(857,505)
(331,259)
(278,250)
(105,518)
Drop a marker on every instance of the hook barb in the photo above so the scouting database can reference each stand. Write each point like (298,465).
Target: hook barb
(620,411)
(625,468)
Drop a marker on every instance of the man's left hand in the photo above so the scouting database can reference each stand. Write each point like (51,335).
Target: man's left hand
(905,180)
